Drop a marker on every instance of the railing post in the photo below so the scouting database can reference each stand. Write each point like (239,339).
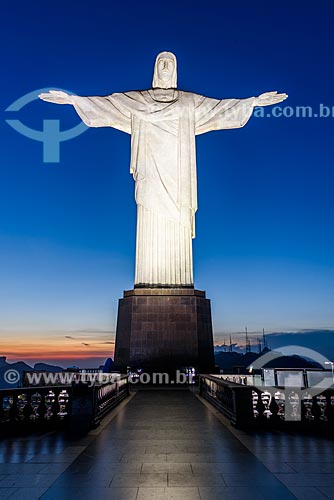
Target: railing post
(243,406)
(82,408)
(200,391)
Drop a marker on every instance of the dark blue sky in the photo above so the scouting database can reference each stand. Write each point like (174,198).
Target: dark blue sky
(264,247)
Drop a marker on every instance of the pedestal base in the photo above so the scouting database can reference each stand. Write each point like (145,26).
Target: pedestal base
(163,329)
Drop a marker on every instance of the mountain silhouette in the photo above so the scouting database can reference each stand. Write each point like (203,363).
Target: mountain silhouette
(20,367)
(234,362)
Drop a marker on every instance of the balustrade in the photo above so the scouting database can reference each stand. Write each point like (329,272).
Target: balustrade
(247,405)
(35,408)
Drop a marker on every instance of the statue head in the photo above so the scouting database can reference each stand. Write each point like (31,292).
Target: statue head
(165,75)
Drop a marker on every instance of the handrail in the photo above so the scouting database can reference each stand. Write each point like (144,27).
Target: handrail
(79,405)
(249,406)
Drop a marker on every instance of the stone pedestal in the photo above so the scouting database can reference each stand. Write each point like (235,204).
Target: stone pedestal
(163,329)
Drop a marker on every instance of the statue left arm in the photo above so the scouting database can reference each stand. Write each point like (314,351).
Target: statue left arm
(215,114)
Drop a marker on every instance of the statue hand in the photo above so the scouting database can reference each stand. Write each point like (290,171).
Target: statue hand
(269,98)
(56,96)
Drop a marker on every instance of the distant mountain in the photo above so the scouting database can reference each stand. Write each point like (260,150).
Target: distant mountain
(229,360)
(47,368)
(235,362)
(20,367)
(2,361)
(293,362)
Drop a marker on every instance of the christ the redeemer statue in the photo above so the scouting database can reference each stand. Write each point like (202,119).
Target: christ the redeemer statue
(163,123)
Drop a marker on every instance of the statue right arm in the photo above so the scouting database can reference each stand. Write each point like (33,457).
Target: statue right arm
(95,111)
(56,96)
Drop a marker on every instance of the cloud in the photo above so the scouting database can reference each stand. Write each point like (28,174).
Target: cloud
(321,341)
(306,331)
(93,331)
(95,337)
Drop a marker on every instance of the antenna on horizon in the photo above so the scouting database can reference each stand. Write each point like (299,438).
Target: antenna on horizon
(264,339)
(248,346)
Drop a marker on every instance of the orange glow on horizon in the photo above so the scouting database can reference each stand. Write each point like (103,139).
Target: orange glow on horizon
(53,355)
(16,347)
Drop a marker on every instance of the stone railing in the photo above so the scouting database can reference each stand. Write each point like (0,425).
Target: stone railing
(232,399)
(80,405)
(247,406)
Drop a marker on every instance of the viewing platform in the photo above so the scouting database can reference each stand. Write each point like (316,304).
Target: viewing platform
(163,444)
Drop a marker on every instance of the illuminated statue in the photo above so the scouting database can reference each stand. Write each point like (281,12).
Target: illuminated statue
(163,123)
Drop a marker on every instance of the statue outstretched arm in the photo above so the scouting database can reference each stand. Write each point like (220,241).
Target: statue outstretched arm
(214,114)
(269,98)
(95,111)
(56,96)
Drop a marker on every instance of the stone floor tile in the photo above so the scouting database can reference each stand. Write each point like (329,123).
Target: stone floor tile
(318,468)
(138,480)
(327,490)
(188,479)
(206,457)
(279,467)
(144,457)
(240,493)
(166,467)
(28,480)
(229,467)
(26,493)
(307,493)
(99,470)
(168,494)
(21,468)
(299,479)
(52,468)
(15,458)
(7,493)
(61,458)
(78,480)
(96,492)
(244,479)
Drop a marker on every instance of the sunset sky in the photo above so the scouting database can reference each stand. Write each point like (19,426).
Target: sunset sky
(265,239)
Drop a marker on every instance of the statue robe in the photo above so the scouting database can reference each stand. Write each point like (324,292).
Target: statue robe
(163,164)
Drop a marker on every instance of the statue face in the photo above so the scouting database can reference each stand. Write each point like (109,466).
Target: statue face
(165,74)
(165,68)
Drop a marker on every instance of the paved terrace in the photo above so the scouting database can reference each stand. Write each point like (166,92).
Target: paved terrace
(166,445)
